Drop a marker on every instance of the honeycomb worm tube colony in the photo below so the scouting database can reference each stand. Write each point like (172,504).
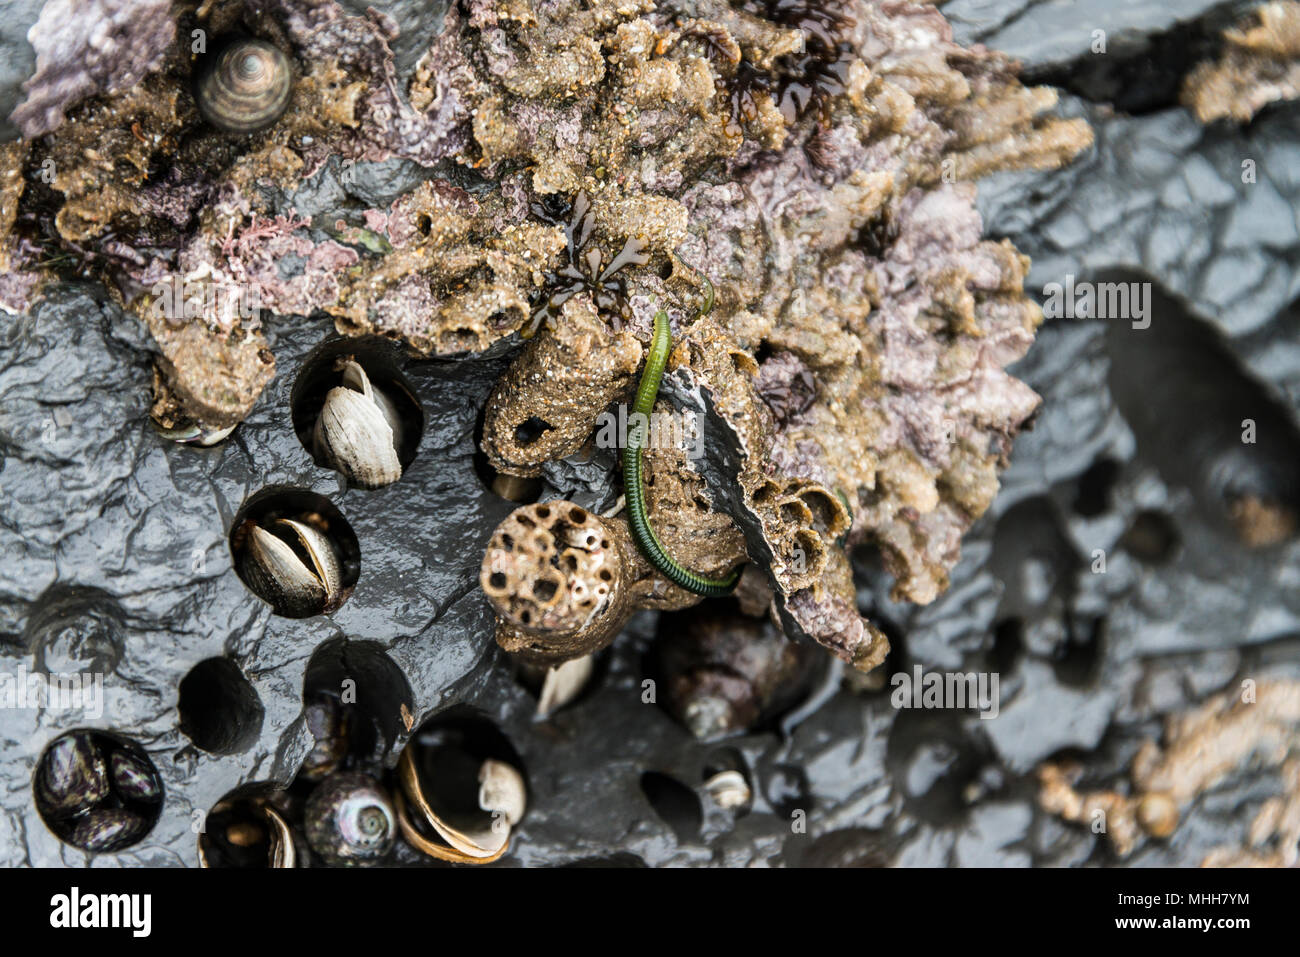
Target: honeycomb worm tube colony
(564,582)
(573,169)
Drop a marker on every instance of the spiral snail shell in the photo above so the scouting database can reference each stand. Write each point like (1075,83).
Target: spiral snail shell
(246,87)
(350,820)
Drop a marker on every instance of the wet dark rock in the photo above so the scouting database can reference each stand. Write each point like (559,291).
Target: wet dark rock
(1056,34)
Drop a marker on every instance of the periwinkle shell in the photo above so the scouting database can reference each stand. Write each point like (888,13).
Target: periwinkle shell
(246,87)
(350,820)
(97,791)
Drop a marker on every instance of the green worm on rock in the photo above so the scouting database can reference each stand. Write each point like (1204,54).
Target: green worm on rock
(646,393)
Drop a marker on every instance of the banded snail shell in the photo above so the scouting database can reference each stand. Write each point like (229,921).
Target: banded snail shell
(246,87)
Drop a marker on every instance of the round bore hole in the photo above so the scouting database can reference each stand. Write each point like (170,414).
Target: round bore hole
(356,704)
(75,629)
(220,712)
(1151,538)
(356,413)
(851,847)
(675,804)
(1093,495)
(97,791)
(295,550)
(935,761)
(450,759)
(251,827)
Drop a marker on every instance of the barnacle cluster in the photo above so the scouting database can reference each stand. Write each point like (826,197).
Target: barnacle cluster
(586,163)
(564,581)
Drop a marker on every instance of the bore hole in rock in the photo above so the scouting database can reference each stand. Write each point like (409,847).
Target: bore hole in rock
(619,859)
(785,787)
(356,704)
(850,847)
(721,672)
(459,767)
(1095,486)
(467,729)
(97,791)
(73,628)
(1008,645)
(1143,72)
(355,412)
(1032,557)
(1152,538)
(677,805)
(251,827)
(723,759)
(523,490)
(219,710)
(1078,660)
(295,550)
(1205,422)
(934,762)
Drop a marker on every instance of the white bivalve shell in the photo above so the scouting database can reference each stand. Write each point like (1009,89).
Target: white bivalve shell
(359,430)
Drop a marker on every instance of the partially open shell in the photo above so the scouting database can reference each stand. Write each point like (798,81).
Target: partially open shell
(294,567)
(470,838)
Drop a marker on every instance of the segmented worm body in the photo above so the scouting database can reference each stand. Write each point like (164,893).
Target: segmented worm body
(646,393)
